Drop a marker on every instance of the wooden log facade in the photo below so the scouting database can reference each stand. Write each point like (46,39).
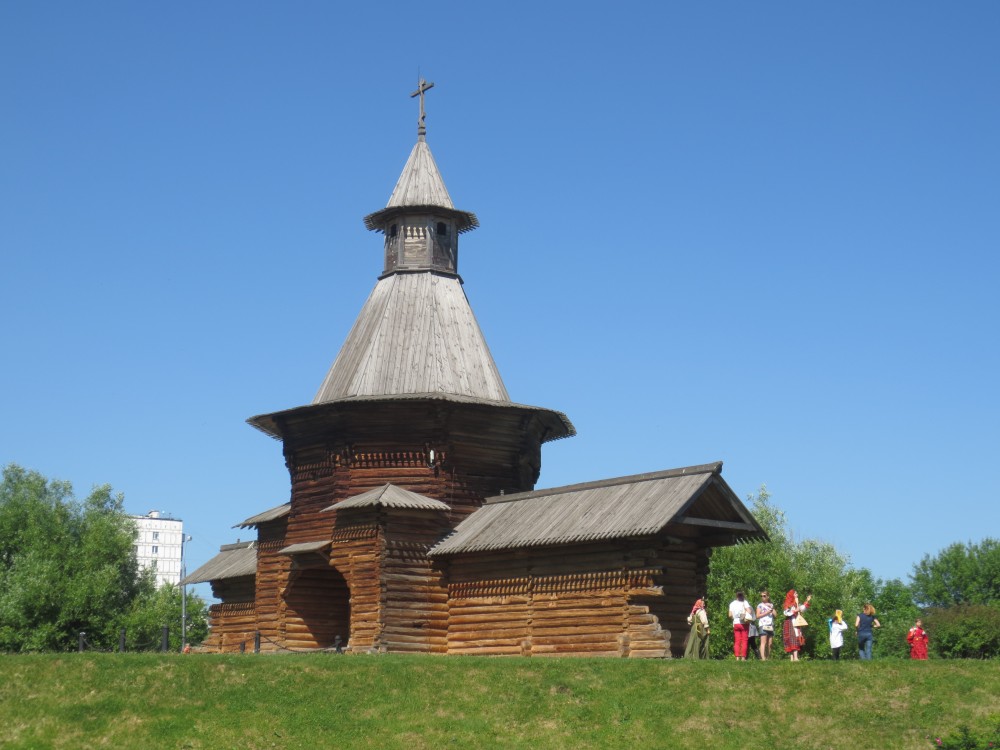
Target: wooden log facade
(594,599)
(413,524)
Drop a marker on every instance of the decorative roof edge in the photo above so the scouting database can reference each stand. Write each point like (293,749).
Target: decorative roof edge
(466,220)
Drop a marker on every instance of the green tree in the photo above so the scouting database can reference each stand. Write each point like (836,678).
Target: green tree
(958,574)
(896,612)
(809,566)
(69,566)
(159,607)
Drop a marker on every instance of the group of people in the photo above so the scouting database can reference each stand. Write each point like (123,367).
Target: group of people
(754,629)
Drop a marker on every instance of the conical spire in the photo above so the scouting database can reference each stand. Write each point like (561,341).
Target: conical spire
(420,187)
(420,183)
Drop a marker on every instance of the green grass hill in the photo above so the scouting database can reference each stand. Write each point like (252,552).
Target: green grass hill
(413,702)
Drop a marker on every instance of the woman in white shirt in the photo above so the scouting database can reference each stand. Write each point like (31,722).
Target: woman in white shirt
(765,625)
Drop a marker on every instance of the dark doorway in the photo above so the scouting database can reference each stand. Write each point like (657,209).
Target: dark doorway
(318,608)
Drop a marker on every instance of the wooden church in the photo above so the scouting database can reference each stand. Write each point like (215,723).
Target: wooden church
(413,524)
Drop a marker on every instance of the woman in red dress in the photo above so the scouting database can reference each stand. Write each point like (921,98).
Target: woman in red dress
(791,635)
(918,640)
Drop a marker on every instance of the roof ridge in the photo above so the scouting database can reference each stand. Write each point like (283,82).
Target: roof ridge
(711,468)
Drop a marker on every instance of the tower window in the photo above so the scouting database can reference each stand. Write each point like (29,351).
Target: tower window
(442,228)
(393,230)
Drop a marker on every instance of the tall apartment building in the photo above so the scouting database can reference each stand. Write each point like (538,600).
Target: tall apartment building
(158,545)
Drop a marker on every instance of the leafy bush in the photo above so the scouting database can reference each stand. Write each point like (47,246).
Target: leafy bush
(965,739)
(964,631)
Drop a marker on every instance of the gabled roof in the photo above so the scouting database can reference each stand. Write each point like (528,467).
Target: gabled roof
(626,507)
(420,186)
(233,561)
(390,496)
(272,514)
(415,334)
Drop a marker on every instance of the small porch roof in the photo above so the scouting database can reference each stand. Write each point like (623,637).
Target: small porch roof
(390,496)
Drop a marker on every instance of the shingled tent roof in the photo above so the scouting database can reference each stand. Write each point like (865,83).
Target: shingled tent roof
(622,508)
(233,561)
(415,334)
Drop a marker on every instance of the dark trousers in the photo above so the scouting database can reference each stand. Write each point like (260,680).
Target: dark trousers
(836,653)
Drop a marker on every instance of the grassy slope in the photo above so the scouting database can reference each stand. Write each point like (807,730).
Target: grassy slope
(320,700)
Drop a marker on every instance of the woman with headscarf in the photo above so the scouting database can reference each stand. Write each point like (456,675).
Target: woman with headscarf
(837,628)
(697,644)
(790,634)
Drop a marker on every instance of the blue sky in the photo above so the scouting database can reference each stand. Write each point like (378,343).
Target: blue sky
(766,234)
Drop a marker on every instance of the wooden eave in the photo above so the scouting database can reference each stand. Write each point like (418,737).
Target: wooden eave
(553,425)
(272,514)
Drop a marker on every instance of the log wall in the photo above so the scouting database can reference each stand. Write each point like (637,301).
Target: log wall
(610,599)
(414,594)
(231,623)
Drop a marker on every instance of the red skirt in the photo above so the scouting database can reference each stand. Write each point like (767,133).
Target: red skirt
(792,640)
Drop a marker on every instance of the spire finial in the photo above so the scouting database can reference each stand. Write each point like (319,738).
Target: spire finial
(422,87)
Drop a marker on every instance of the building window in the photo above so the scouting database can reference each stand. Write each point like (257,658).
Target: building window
(156,536)
(393,230)
(156,550)
(442,228)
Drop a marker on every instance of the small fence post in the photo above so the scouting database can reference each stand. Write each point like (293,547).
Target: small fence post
(165,639)
(256,642)
(121,641)
(337,645)
(82,641)
(243,647)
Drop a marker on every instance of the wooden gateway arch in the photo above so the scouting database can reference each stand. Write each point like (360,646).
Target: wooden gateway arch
(413,522)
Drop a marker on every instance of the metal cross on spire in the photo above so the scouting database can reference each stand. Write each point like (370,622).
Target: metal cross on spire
(422,87)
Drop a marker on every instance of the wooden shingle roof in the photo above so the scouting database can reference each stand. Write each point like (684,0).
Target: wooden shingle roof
(390,496)
(626,507)
(415,334)
(233,561)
